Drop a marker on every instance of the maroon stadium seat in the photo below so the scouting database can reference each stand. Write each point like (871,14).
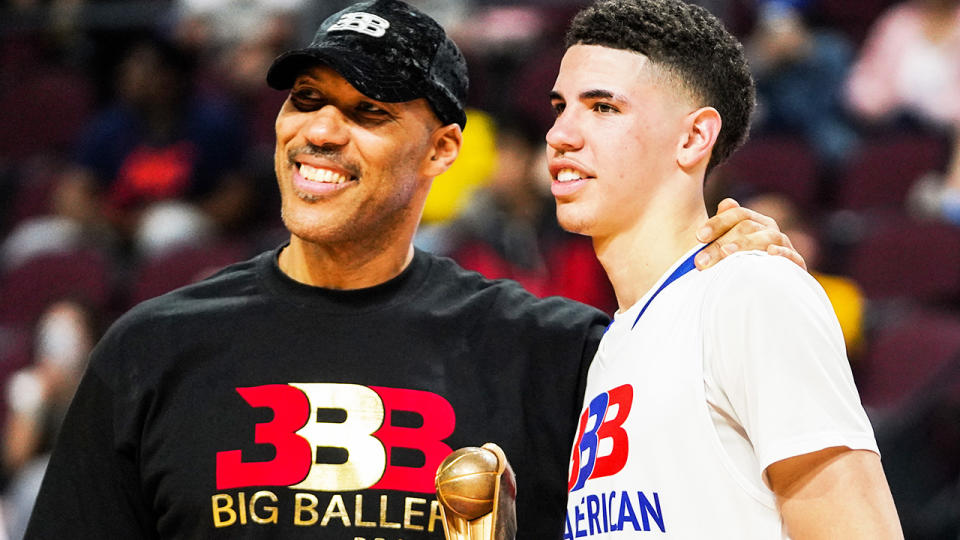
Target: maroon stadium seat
(908,259)
(28,288)
(44,111)
(852,17)
(884,169)
(181,266)
(910,358)
(779,164)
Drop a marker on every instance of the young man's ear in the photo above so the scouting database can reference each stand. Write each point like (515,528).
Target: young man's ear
(702,129)
(444,148)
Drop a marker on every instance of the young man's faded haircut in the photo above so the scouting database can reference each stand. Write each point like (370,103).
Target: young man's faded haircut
(687,42)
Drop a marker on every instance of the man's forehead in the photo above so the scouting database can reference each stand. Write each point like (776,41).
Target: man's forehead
(586,67)
(605,54)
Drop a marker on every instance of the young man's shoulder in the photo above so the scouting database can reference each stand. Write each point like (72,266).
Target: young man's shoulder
(756,272)
(760,287)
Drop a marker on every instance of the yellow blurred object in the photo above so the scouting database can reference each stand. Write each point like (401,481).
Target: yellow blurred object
(848,303)
(452,190)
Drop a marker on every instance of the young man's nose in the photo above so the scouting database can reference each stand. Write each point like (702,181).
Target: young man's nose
(563,135)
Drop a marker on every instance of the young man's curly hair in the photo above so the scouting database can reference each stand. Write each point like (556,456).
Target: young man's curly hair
(689,43)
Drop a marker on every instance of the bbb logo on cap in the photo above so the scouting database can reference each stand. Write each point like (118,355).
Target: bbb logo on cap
(364,23)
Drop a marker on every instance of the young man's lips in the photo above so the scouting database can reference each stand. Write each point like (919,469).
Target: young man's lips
(566,188)
(565,170)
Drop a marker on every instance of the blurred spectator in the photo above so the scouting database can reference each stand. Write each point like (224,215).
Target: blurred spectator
(235,41)
(37,400)
(160,140)
(909,73)
(510,230)
(910,65)
(950,205)
(938,196)
(63,221)
(800,73)
(449,13)
(845,295)
(215,25)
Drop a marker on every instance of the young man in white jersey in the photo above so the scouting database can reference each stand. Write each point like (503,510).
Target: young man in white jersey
(720,403)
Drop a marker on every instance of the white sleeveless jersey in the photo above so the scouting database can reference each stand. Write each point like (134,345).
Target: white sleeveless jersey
(696,389)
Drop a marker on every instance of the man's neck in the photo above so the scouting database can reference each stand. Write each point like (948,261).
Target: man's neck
(636,258)
(339,267)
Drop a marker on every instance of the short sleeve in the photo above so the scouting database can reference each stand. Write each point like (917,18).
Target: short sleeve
(775,351)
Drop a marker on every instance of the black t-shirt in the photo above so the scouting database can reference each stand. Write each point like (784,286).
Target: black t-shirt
(253,406)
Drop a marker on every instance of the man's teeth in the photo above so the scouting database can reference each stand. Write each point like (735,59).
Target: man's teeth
(567,175)
(322,175)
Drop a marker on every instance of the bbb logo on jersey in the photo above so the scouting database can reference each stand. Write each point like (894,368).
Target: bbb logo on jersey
(605,431)
(340,437)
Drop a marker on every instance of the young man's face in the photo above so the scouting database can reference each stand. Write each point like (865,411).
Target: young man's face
(615,138)
(350,168)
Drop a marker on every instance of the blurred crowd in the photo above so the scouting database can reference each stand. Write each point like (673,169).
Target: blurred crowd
(136,147)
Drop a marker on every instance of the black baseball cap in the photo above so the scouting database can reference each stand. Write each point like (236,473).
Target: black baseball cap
(389,51)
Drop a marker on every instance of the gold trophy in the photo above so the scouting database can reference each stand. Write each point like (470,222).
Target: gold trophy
(476,489)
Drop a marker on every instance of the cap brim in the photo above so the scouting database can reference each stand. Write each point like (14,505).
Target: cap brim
(374,81)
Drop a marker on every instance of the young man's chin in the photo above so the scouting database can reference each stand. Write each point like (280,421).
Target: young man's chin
(573,221)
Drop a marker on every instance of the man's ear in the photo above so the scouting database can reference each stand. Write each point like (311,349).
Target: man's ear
(445,146)
(702,129)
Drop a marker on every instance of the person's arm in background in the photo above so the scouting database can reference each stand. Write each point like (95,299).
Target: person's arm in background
(953,169)
(871,86)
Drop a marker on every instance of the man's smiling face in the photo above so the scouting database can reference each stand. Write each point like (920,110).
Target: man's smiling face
(349,166)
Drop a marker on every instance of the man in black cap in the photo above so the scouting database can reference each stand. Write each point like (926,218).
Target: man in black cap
(313,390)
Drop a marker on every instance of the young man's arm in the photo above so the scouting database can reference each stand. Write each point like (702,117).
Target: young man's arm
(835,493)
(777,358)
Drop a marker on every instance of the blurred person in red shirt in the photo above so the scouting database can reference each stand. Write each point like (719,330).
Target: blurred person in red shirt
(510,229)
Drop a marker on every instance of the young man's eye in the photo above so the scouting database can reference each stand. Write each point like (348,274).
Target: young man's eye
(558,107)
(604,108)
